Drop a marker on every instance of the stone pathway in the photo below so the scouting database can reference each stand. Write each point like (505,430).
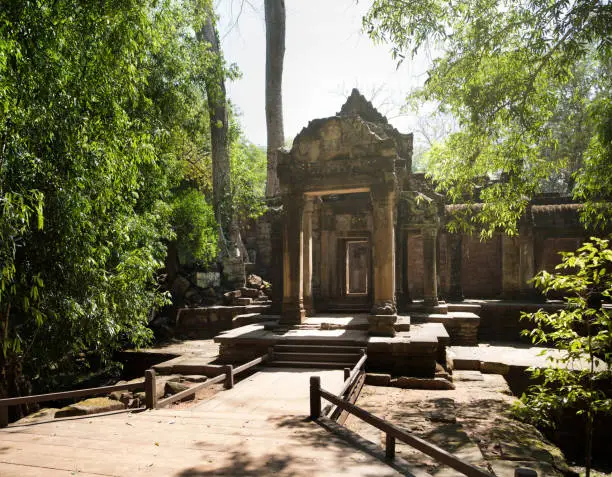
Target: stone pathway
(499,358)
(257,428)
(470,422)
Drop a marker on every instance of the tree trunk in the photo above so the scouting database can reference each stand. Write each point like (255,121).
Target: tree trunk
(275,53)
(217,109)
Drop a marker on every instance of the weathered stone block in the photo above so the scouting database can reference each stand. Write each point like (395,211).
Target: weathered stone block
(406,382)
(173,387)
(250,292)
(90,406)
(382,325)
(378,379)
(494,368)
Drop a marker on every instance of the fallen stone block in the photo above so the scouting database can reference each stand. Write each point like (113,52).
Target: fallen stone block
(249,292)
(378,379)
(254,281)
(41,415)
(90,406)
(494,368)
(406,382)
(173,387)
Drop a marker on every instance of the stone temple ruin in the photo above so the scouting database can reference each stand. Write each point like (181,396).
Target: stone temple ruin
(349,206)
(360,256)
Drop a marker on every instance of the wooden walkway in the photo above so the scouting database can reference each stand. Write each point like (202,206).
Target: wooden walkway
(258,428)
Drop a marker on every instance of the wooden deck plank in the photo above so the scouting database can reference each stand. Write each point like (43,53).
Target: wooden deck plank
(257,428)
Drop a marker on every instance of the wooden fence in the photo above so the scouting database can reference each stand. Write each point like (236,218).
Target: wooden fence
(148,383)
(393,432)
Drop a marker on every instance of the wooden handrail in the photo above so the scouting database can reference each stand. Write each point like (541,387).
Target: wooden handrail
(250,364)
(354,374)
(15,401)
(227,377)
(392,432)
(192,390)
(148,384)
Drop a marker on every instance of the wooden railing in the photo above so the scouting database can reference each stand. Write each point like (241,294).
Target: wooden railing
(227,377)
(350,378)
(16,401)
(393,432)
(148,383)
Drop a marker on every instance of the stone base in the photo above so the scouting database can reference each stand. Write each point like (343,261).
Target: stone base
(292,315)
(381,325)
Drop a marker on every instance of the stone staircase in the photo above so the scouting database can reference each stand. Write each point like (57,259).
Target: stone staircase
(315,356)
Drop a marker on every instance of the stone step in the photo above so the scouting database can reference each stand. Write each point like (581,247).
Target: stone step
(469,307)
(281,348)
(308,364)
(349,358)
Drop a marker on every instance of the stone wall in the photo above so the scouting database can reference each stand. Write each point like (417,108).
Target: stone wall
(500,320)
(206,322)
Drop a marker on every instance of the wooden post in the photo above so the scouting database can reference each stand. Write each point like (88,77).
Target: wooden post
(228,369)
(347,373)
(315,397)
(523,472)
(150,389)
(4,416)
(389,446)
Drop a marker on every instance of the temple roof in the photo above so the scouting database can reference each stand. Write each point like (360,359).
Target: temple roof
(356,104)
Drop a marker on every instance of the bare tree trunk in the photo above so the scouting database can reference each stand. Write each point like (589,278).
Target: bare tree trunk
(275,53)
(217,109)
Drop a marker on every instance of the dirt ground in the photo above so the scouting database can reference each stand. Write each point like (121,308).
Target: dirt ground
(472,422)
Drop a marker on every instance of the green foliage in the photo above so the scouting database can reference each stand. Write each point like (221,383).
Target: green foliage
(195,228)
(579,376)
(248,179)
(504,75)
(103,116)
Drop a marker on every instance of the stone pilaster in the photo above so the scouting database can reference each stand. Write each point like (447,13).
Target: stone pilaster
(293,262)
(383,205)
(307,256)
(511,267)
(430,276)
(527,261)
(456,260)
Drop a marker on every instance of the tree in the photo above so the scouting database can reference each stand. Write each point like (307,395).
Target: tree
(582,331)
(219,125)
(502,74)
(275,53)
(99,101)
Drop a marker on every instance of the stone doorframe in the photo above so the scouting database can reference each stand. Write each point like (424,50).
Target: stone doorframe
(297,250)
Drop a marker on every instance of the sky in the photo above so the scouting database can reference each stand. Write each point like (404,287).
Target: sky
(326,55)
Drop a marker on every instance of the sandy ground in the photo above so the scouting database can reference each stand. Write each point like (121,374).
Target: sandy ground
(471,422)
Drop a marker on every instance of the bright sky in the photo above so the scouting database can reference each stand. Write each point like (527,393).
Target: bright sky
(326,56)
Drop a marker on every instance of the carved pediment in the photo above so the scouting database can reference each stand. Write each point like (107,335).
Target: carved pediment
(341,138)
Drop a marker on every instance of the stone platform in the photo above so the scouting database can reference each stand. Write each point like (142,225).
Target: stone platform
(461,320)
(414,350)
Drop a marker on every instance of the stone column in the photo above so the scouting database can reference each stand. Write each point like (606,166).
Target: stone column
(456,260)
(430,276)
(384,312)
(383,203)
(307,255)
(293,262)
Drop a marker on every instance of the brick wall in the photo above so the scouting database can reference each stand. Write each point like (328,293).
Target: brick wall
(481,267)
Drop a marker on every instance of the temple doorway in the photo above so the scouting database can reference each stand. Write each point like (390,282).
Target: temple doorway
(357,268)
